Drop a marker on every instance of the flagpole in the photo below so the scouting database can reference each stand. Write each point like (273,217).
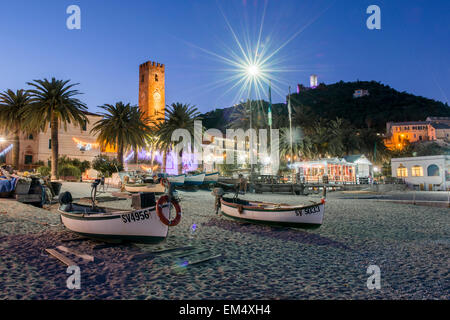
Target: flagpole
(290,132)
(269,116)
(290,123)
(251,140)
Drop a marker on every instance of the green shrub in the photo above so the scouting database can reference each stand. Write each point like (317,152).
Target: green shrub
(106,165)
(44,171)
(69,170)
(81,165)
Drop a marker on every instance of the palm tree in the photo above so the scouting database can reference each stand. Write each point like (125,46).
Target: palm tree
(240,117)
(177,116)
(54,103)
(12,105)
(121,127)
(304,117)
(320,140)
(301,144)
(152,142)
(372,145)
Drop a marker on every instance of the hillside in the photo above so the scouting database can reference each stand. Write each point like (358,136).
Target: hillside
(383,104)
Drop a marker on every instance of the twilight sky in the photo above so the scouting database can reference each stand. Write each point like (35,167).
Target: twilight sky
(329,38)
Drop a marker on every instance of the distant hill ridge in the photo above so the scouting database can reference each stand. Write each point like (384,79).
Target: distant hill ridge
(383,104)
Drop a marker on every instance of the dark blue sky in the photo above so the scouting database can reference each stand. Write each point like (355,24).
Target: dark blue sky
(411,52)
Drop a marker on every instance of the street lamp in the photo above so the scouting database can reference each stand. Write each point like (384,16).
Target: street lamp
(253,71)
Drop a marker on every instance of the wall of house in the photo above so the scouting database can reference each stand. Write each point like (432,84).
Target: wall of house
(424,180)
(76,142)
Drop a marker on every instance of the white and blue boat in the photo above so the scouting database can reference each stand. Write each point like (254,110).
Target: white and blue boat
(211,178)
(194,179)
(177,180)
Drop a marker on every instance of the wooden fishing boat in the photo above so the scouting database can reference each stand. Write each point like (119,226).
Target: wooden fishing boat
(194,179)
(108,224)
(305,216)
(177,180)
(151,187)
(148,222)
(211,178)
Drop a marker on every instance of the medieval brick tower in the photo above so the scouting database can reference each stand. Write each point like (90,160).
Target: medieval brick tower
(151,89)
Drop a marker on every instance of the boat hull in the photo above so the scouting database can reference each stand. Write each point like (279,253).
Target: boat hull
(310,216)
(211,178)
(194,180)
(143,226)
(157,188)
(176,180)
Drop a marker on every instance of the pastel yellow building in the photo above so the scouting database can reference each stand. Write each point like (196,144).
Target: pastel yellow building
(76,143)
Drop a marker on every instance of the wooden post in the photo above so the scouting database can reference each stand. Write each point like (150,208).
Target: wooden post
(61,257)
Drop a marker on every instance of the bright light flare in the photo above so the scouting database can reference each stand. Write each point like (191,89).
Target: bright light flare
(253,70)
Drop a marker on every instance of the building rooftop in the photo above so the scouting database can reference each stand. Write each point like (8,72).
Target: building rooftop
(408,123)
(440,125)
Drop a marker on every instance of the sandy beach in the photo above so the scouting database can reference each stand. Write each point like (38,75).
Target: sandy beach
(409,243)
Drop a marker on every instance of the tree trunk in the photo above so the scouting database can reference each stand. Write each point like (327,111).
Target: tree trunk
(164,160)
(135,155)
(54,145)
(16,150)
(120,154)
(152,157)
(180,162)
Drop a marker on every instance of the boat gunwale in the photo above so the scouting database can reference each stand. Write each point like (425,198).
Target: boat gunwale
(256,208)
(79,215)
(212,173)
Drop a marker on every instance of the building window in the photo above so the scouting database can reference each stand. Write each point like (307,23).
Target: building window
(417,171)
(142,78)
(402,171)
(49,143)
(156,77)
(28,159)
(30,137)
(84,127)
(433,170)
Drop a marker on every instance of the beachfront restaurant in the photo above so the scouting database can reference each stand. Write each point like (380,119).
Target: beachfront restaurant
(328,170)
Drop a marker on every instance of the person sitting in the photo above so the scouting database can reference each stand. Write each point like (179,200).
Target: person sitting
(242,184)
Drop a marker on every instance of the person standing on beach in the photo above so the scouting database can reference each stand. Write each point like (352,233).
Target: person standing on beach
(242,184)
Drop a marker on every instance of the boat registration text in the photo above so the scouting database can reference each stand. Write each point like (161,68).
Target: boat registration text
(136,216)
(307,211)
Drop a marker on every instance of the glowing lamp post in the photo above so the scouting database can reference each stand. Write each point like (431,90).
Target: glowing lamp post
(253,72)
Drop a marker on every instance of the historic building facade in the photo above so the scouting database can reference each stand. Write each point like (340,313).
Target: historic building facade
(75,142)
(152,89)
(432,129)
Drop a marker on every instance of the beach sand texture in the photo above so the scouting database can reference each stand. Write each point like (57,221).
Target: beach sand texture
(409,243)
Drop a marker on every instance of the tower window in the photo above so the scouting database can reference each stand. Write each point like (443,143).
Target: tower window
(84,127)
(142,78)
(156,77)
(49,143)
